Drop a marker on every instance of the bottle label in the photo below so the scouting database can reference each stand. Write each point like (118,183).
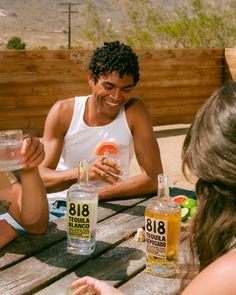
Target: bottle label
(156,237)
(79,219)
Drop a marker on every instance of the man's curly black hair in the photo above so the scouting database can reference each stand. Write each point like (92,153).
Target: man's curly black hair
(114,56)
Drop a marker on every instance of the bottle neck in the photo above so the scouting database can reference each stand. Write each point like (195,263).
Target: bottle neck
(163,187)
(83,172)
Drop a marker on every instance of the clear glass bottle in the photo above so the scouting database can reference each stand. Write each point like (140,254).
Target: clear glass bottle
(162,228)
(82,202)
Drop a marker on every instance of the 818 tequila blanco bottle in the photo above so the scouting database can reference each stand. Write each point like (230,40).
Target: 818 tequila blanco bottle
(82,202)
(162,228)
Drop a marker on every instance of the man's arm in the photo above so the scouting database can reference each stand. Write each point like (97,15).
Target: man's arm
(56,126)
(147,154)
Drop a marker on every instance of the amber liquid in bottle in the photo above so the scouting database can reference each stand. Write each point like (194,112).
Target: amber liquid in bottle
(162,229)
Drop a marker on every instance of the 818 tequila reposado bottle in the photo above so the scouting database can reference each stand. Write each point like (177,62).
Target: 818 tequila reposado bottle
(162,228)
(82,202)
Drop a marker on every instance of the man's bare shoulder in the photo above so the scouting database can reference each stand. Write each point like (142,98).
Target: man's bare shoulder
(62,109)
(136,107)
(137,114)
(63,105)
(59,116)
(135,102)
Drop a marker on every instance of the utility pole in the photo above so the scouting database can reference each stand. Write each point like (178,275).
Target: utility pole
(69,11)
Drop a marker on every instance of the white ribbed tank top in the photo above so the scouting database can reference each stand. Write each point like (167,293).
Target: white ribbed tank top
(81,140)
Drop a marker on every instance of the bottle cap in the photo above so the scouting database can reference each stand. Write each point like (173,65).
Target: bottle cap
(140,235)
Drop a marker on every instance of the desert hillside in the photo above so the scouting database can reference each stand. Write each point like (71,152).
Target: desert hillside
(45,22)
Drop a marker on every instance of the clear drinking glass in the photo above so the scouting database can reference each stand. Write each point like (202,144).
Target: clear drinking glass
(121,159)
(10,146)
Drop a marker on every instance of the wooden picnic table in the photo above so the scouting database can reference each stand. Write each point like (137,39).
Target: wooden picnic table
(40,264)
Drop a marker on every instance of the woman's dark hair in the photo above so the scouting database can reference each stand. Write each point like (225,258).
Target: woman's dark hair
(114,56)
(209,152)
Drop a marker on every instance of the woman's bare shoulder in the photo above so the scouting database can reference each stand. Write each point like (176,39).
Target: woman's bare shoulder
(217,278)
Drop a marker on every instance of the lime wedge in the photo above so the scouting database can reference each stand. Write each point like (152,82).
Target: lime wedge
(184,214)
(193,211)
(189,203)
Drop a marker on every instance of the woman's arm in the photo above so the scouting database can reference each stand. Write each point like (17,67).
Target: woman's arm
(26,202)
(7,233)
(33,213)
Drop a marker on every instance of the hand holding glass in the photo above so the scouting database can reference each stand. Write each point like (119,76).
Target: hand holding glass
(121,159)
(10,147)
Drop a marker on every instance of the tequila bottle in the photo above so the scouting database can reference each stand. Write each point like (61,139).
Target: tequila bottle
(82,202)
(162,228)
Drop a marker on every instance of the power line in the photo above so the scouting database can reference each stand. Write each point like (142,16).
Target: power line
(69,11)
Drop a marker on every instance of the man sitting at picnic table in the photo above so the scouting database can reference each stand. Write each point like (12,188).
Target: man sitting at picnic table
(76,126)
(23,206)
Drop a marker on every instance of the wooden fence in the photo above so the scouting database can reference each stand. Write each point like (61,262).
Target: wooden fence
(174,83)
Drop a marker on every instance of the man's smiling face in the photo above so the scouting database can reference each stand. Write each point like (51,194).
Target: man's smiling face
(111,92)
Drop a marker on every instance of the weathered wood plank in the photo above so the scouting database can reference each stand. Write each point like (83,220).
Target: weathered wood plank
(49,55)
(26,79)
(115,266)
(30,124)
(150,53)
(80,67)
(28,244)
(149,285)
(144,283)
(55,89)
(180,53)
(230,59)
